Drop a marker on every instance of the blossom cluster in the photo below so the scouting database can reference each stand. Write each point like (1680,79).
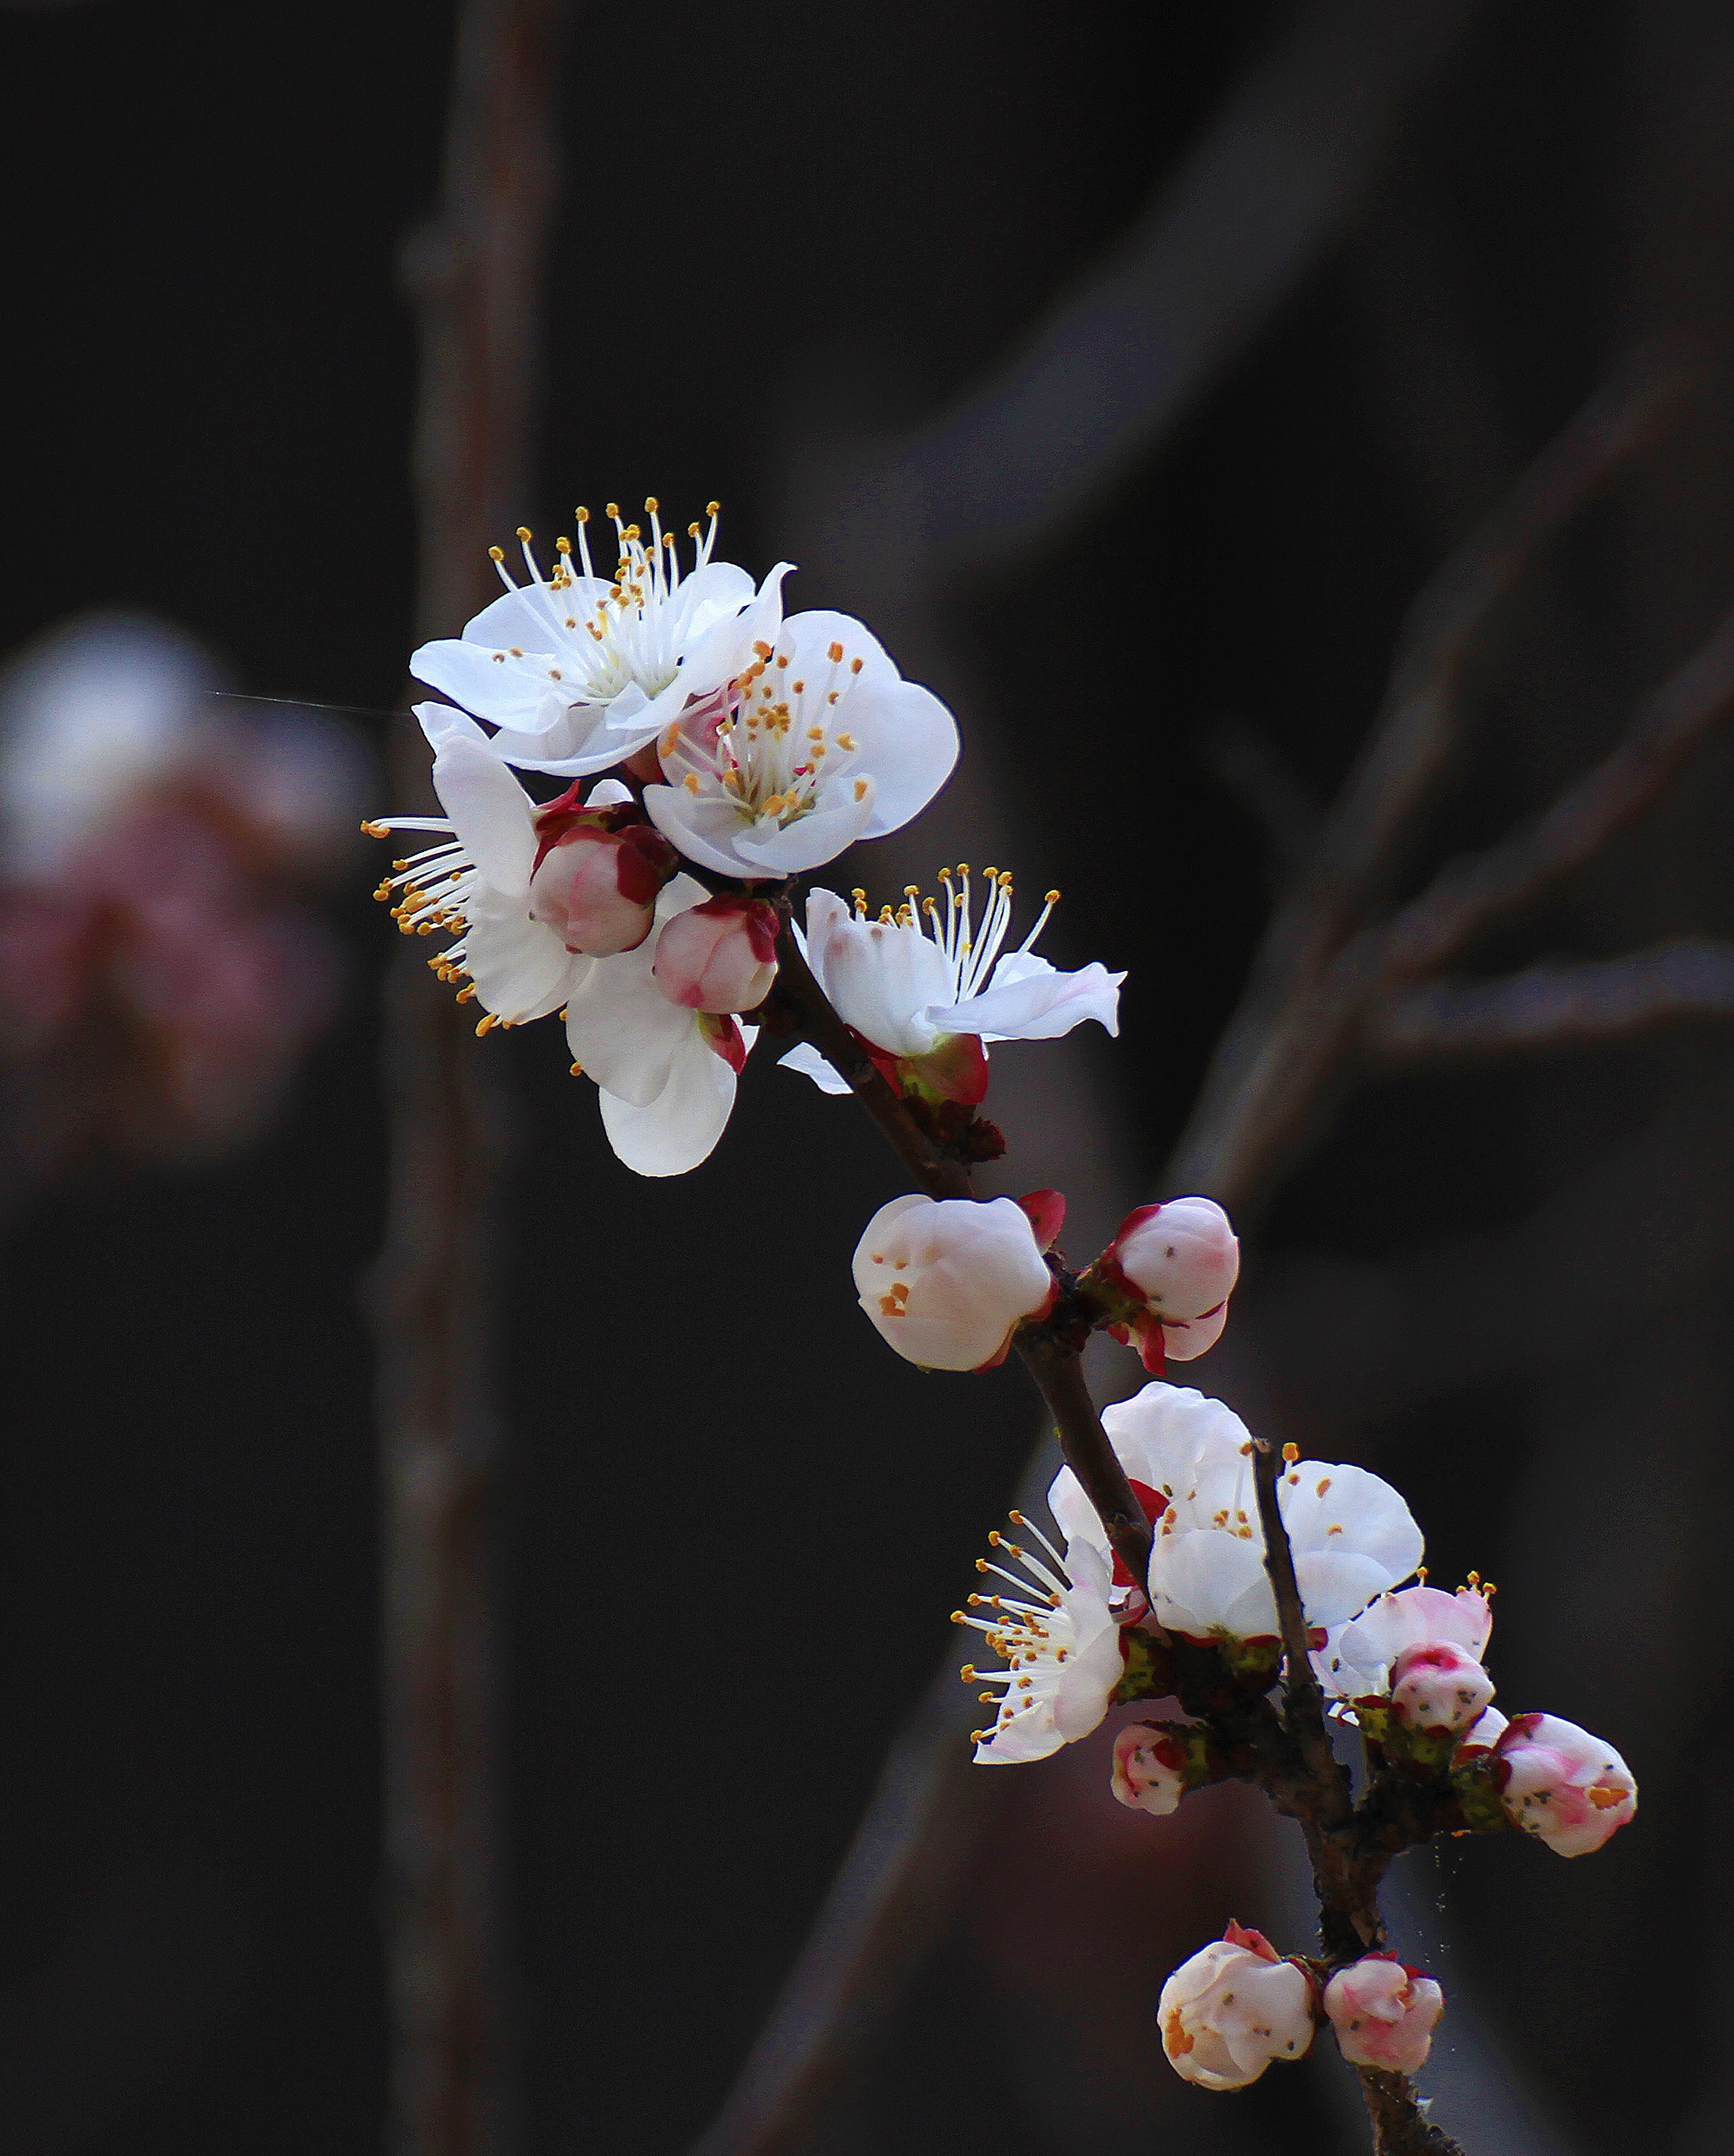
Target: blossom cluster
(1073,1635)
(712,749)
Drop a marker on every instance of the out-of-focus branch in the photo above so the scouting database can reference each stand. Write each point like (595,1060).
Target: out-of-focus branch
(473,274)
(1295,1044)
(1249,766)
(1557,1006)
(1470,896)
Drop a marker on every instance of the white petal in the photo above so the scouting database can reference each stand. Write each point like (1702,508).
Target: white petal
(883,978)
(700,826)
(908,742)
(679,1127)
(490,813)
(810,1063)
(505,691)
(1027,1000)
(534,616)
(1372,1517)
(807,638)
(520,969)
(813,841)
(1198,1576)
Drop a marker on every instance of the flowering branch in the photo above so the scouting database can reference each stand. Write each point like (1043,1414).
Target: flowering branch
(1187,1561)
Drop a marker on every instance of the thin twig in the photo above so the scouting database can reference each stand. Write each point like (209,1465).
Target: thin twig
(1303,1701)
(1557,1006)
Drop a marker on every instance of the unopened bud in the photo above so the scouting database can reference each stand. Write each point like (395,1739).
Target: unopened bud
(1181,1256)
(1150,1769)
(1233,2008)
(1563,1785)
(1384,2014)
(597,888)
(1440,1686)
(720,956)
(947,1279)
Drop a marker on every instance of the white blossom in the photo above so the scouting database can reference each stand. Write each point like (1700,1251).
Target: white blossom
(946,1280)
(578,671)
(821,742)
(1232,2009)
(1384,2014)
(1190,1461)
(909,982)
(1558,1783)
(1059,1642)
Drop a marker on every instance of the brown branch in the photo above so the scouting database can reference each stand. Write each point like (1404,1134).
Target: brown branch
(1303,1701)
(1057,1371)
(1557,1006)
(1398,2128)
(474,276)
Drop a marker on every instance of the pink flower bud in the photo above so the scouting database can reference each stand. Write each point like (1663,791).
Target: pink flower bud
(946,1280)
(1149,1771)
(1233,2008)
(1563,1785)
(1167,1276)
(1440,1686)
(1383,2013)
(597,888)
(720,956)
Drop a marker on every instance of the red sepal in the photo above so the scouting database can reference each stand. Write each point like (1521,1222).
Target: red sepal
(1255,1942)
(643,864)
(1046,1210)
(956,1070)
(722,1034)
(1152,1347)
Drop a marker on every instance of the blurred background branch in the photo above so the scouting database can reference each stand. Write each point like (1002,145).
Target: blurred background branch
(475,275)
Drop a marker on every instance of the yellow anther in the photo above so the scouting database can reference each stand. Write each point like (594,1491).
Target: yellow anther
(487,1024)
(375,830)
(861,790)
(526,533)
(1053,898)
(577,1070)
(562,546)
(651,505)
(496,553)
(691,782)
(614,510)
(1291,1454)
(834,651)
(713,508)
(581,513)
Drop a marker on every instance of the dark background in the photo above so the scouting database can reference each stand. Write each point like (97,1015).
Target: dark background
(786,232)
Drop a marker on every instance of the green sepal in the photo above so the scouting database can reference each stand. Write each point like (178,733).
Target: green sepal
(1150,1667)
(1477,1795)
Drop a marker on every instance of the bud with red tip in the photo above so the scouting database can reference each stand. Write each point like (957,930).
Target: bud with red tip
(1233,2008)
(720,956)
(1157,1763)
(1384,2014)
(1166,1279)
(596,886)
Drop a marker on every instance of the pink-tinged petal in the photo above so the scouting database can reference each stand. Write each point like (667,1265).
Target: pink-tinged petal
(679,1129)
(622,1028)
(732,620)
(1046,1210)
(490,813)
(881,977)
(810,1063)
(1183,1339)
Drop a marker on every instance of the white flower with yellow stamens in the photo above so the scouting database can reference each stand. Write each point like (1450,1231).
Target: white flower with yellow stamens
(578,671)
(909,980)
(822,742)
(1061,1650)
